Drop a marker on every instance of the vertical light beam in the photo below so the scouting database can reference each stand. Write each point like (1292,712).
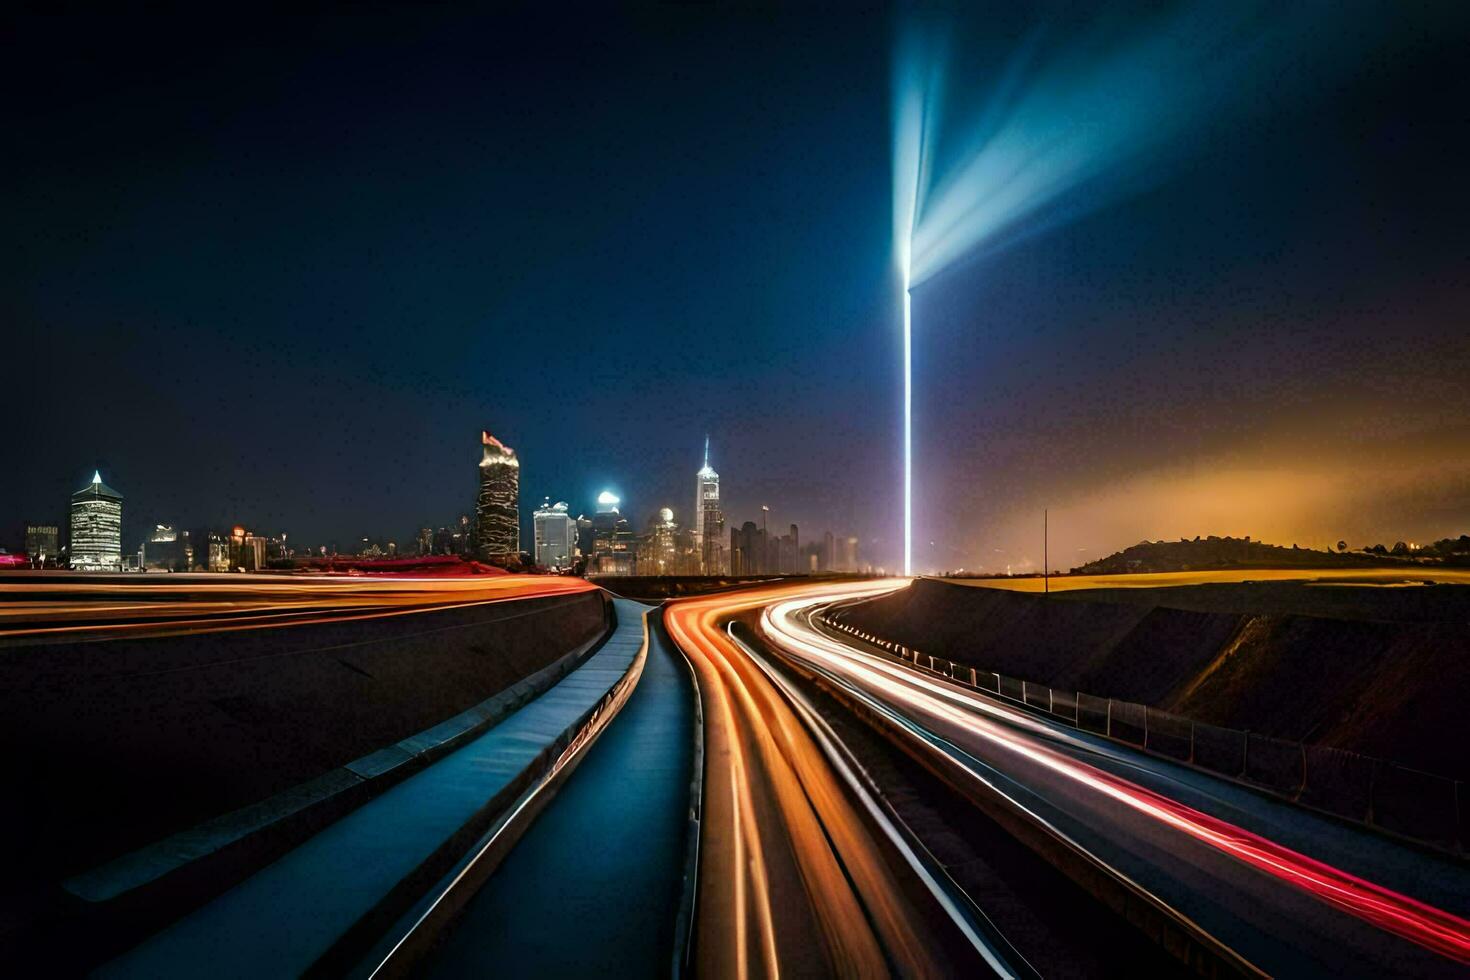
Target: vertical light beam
(908,432)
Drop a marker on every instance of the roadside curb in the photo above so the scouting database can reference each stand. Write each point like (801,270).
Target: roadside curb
(321,906)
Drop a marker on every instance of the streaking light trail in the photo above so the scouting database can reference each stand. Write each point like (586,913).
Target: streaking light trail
(1013,733)
(1070,130)
(792,878)
(38,608)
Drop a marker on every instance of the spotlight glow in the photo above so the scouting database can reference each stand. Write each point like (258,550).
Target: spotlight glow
(1073,127)
(908,434)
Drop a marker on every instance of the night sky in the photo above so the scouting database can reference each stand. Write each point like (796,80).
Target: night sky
(283,273)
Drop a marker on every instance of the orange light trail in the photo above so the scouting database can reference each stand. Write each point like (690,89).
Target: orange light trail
(111,608)
(788,868)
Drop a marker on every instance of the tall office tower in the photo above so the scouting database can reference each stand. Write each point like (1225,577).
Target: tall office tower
(426,541)
(498,507)
(614,546)
(586,537)
(556,535)
(748,550)
(661,548)
(43,544)
(827,559)
(96,527)
(791,552)
(708,518)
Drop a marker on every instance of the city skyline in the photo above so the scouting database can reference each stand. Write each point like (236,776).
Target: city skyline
(959,490)
(1138,375)
(496,456)
(413,541)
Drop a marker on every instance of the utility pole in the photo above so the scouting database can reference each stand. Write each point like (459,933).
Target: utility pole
(1045,561)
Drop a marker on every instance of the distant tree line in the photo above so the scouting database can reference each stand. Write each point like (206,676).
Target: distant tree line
(1449,549)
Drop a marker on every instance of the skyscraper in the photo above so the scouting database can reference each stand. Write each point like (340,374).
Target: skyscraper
(498,507)
(708,518)
(43,544)
(556,535)
(614,547)
(96,527)
(747,550)
(660,549)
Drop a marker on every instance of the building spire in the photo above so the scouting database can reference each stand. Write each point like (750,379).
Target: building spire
(706,450)
(97,474)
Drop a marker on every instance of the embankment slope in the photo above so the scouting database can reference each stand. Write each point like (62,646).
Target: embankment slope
(1381,671)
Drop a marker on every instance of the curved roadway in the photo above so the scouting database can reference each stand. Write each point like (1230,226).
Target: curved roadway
(798,872)
(1290,892)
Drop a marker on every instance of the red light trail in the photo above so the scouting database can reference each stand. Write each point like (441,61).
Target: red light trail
(1401,915)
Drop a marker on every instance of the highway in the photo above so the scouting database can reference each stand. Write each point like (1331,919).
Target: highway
(1281,890)
(153,718)
(608,852)
(804,862)
(57,607)
(800,872)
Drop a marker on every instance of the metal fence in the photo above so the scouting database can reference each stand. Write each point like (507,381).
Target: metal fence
(1422,806)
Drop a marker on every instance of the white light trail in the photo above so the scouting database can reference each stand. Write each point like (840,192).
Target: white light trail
(926,701)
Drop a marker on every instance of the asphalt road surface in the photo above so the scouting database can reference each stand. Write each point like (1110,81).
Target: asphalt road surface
(1290,892)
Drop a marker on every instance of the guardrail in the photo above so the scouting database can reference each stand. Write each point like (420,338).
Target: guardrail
(1409,803)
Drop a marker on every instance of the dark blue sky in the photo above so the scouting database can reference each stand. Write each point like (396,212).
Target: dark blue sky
(283,274)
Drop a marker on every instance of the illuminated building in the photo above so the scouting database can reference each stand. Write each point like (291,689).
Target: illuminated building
(586,538)
(166,549)
(687,550)
(218,559)
(246,550)
(709,521)
(660,547)
(96,527)
(43,544)
(425,541)
(498,506)
(556,535)
(614,550)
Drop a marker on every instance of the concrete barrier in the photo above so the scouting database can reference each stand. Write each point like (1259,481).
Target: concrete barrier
(1408,803)
(1416,804)
(1128,722)
(1092,713)
(1220,750)
(174,731)
(209,738)
(1339,782)
(1169,735)
(1274,763)
(320,908)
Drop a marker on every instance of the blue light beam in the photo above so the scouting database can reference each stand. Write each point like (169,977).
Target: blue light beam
(1062,136)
